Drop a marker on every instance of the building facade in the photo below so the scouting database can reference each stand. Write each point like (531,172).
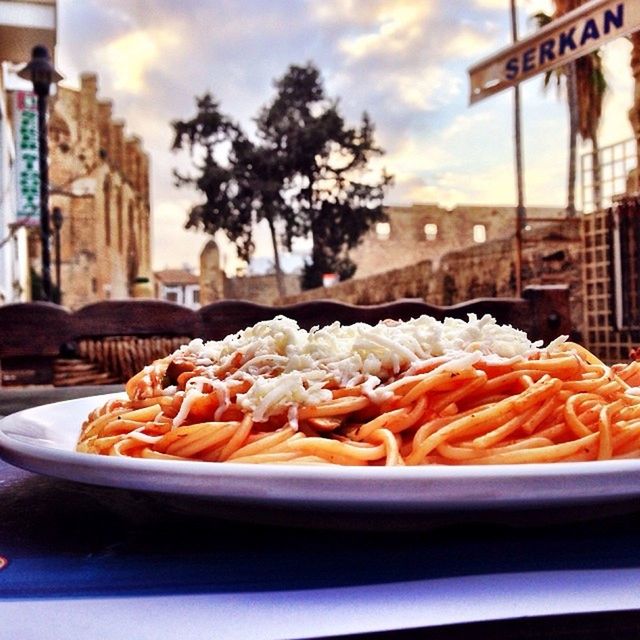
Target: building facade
(417,234)
(98,176)
(181,286)
(428,232)
(100,182)
(23,24)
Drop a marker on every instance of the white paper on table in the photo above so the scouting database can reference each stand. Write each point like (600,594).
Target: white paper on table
(321,612)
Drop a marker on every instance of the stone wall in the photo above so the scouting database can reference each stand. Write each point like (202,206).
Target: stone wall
(260,289)
(415,281)
(550,255)
(450,230)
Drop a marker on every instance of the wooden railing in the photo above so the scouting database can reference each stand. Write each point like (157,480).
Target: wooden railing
(106,342)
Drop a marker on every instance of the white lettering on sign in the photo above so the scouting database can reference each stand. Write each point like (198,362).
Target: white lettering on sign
(569,37)
(27,157)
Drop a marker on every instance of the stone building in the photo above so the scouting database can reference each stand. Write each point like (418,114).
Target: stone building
(428,232)
(181,286)
(412,235)
(23,24)
(99,179)
(551,255)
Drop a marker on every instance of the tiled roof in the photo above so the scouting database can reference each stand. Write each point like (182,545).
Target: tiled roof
(176,277)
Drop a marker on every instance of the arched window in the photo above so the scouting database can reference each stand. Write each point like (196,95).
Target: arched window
(431,231)
(479,233)
(107,210)
(383,230)
(120,216)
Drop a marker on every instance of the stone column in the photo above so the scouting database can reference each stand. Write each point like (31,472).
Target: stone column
(117,145)
(105,111)
(211,276)
(88,116)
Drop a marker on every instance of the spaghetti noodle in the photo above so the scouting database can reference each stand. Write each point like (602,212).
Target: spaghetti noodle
(397,393)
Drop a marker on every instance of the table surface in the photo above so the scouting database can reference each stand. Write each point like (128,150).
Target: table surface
(113,563)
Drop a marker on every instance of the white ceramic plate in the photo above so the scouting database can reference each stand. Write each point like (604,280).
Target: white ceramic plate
(42,440)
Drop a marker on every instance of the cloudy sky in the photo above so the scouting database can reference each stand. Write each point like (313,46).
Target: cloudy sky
(403,61)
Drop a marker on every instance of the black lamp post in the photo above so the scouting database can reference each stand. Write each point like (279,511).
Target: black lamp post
(57,217)
(41,72)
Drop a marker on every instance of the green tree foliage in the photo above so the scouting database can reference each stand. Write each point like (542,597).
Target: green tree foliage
(208,137)
(307,174)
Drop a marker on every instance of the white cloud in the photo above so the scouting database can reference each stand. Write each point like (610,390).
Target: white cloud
(492,185)
(396,28)
(438,190)
(471,43)
(465,124)
(414,156)
(526,6)
(492,4)
(422,90)
(129,57)
(339,11)
(370,13)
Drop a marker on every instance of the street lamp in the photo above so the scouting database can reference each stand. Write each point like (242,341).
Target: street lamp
(41,72)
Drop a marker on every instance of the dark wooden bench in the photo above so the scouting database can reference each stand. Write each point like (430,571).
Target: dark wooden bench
(120,337)
(107,342)
(543,312)
(32,337)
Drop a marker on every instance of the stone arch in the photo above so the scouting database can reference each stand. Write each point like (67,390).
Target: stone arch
(212,278)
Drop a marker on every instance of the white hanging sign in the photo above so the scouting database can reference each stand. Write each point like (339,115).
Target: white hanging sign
(27,157)
(567,38)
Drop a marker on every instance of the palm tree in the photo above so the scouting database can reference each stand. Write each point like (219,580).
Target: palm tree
(591,86)
(585,86)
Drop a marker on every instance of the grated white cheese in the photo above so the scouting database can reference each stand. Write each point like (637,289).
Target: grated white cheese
(288,366)
(189,398)
(267,396)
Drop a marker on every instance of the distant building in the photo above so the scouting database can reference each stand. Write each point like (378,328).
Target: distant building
(178,285)
(98,177)
(412,235)
(23,24)
(428,232)
(100,180)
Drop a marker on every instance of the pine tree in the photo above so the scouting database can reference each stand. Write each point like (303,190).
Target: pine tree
(306,174)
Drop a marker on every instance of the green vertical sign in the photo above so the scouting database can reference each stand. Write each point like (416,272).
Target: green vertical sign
(27,159)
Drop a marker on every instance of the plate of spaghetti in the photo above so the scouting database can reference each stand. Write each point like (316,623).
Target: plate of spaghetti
(419,415)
